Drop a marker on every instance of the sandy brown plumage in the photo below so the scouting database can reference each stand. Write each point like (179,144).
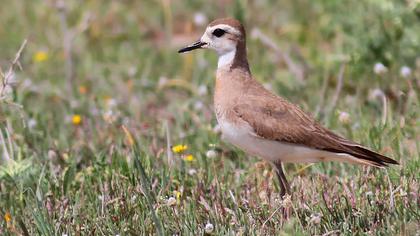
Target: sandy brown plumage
(264,124)
(274,118)
(241,98)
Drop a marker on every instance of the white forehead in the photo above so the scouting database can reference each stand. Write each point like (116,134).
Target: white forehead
(224,27)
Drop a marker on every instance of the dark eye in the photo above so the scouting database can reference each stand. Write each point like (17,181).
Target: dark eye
(218,32)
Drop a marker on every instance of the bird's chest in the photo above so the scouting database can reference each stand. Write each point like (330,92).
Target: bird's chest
(228,92)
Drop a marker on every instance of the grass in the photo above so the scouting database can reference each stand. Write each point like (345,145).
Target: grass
(86,125)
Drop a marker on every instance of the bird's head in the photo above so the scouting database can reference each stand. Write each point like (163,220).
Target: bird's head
(225,36)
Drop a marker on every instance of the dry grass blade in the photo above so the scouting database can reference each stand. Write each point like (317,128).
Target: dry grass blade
(5,154)
(15,62)
(338,88)
(169,154)
(67,45)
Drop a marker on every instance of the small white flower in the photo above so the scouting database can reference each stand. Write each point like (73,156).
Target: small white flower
(344,117)
(209,228)
(94,111)
(162,81)
(380,69)
(133,199)
(369,193)
(403,193)
(375,94)
(211,154)
(27,83)
(74,104)
(52,155)
(132,71)
(315,218)
(263,196)
(200,19)
(405,71)
(109,116)
(182,134)
(171,201)
(202,90)
(112,102)
(198,105)
(287,201)
(192,171)
(31,123)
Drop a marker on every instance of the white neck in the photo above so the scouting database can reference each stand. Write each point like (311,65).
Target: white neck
(226,59)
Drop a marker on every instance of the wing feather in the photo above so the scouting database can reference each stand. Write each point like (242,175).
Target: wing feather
(274,118)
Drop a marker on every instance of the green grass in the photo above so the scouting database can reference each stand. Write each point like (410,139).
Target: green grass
(95,178)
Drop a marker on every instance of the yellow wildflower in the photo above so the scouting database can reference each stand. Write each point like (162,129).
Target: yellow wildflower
(7,217)
(179,148)
(40,56)
(66,156)
(82,89)
(177,194)
(76,119)
(189,157)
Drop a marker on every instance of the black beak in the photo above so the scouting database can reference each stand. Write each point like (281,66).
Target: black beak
(191,47)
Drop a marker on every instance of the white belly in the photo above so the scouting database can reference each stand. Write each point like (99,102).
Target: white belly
(243,137)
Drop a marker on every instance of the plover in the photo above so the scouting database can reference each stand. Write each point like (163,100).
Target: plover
(264,124)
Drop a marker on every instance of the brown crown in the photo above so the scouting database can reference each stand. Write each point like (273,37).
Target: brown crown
(231,22)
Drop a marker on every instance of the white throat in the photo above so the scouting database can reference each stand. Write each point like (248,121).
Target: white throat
(226,59)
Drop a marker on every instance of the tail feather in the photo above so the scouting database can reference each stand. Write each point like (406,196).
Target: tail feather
(374,156)
(339,144)
(366,156)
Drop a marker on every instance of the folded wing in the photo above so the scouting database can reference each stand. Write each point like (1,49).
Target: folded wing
(276,119)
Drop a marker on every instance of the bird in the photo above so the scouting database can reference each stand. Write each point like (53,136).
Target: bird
(264,124)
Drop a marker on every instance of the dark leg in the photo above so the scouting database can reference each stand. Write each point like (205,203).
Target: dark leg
(284,186)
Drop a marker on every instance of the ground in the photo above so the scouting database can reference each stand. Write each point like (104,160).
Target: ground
(98,108)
